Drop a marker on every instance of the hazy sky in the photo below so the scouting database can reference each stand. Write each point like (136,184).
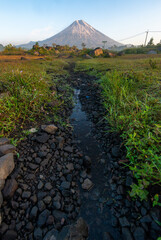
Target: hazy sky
(24,20)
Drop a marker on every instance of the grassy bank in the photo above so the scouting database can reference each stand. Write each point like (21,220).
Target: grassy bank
(28,93)
(131,93)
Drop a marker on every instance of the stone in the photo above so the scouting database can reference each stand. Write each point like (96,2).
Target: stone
(70,167)
(6,165)
(3,228)
(48,186)
(107,236)
(8,148)
(38,234)
(87,162)
(10,235)
(43,218)
(114,221)
(116,151)
(65,185)
(1,199)
(26,194)
(10,188)
(2,182)
(51,235)
(4,141)
(129,181)
(33,213)
(29,227)
(58,215)
(126,234)
(139,234)
(47,200)
(33,166)
(124,222)
(49,128)
(146,219)
(50,220)
(87,184)
(41,206)
(43,138)
(40,185)
(79,231)
(68,149)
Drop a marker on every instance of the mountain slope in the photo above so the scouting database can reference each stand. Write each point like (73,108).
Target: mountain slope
(77,33)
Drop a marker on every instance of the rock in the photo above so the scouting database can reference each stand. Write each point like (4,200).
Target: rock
(87,162)
(10,235)
(57,205)
(50,220)
(6,165)
(114,221)
(33,166)
(43,138)
(63,234)
(4,141)
(126,234)
(116,151)
(29,227)
(49,128)
(79,231)
(43,218)
(146,219)
(51,235)
(129,181)
(68,149)
(124,222)
(2,182)
(155,213)
(48,186)
(58,215)
(26,194)
(40,185)
(10,188)
(139,234)
(87,184)
(47,200)
(65,185)
(1,199)
(33,130)
(107,236)
(41,206)
(8,148)
(38,234)
(70,167)
(143,211)
(3,228)
(33,213)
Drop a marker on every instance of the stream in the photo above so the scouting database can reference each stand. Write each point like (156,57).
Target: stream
(94,208)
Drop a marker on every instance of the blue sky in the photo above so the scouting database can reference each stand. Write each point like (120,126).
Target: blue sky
(24,20)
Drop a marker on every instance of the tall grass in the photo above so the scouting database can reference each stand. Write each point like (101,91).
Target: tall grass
(135,110)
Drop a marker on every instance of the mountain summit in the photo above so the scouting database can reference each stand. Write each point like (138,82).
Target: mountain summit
(77,33)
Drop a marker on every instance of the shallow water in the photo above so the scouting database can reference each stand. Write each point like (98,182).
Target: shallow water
(94,208)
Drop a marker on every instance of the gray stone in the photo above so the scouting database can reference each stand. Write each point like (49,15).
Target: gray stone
(65,185)
(43,218)
(6,165)
(87,184)
(38,234)
(68,149)
(1,199)
(3,228)
(41,206)
(4,141)
(43,138)
(47,200)
(49,128)
(40,185)
(70,167)
(58,215)
(139,234)
(33,166)
(124,222)
(10,235)
(33,213)
(10,188)
(126,234)
(48,186)
(2,182)
(26,194)
(8,148)
(51,235)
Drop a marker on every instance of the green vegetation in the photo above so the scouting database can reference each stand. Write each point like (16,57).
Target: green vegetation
(131,93)
(27,94)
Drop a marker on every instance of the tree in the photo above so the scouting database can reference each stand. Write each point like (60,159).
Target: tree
(151,42)
(83,45)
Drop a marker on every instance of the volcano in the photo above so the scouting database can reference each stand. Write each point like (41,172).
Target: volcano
(77,33)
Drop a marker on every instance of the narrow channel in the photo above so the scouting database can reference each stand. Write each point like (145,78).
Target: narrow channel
(94,208)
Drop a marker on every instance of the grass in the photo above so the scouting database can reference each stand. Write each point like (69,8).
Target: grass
(28,94)
(131,93)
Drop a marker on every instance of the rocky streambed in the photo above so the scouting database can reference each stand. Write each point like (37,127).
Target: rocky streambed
(70,182)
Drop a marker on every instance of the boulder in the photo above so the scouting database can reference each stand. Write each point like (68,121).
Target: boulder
(7,148)
(4,141)
(49,128)
(6,165)
(10,188)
